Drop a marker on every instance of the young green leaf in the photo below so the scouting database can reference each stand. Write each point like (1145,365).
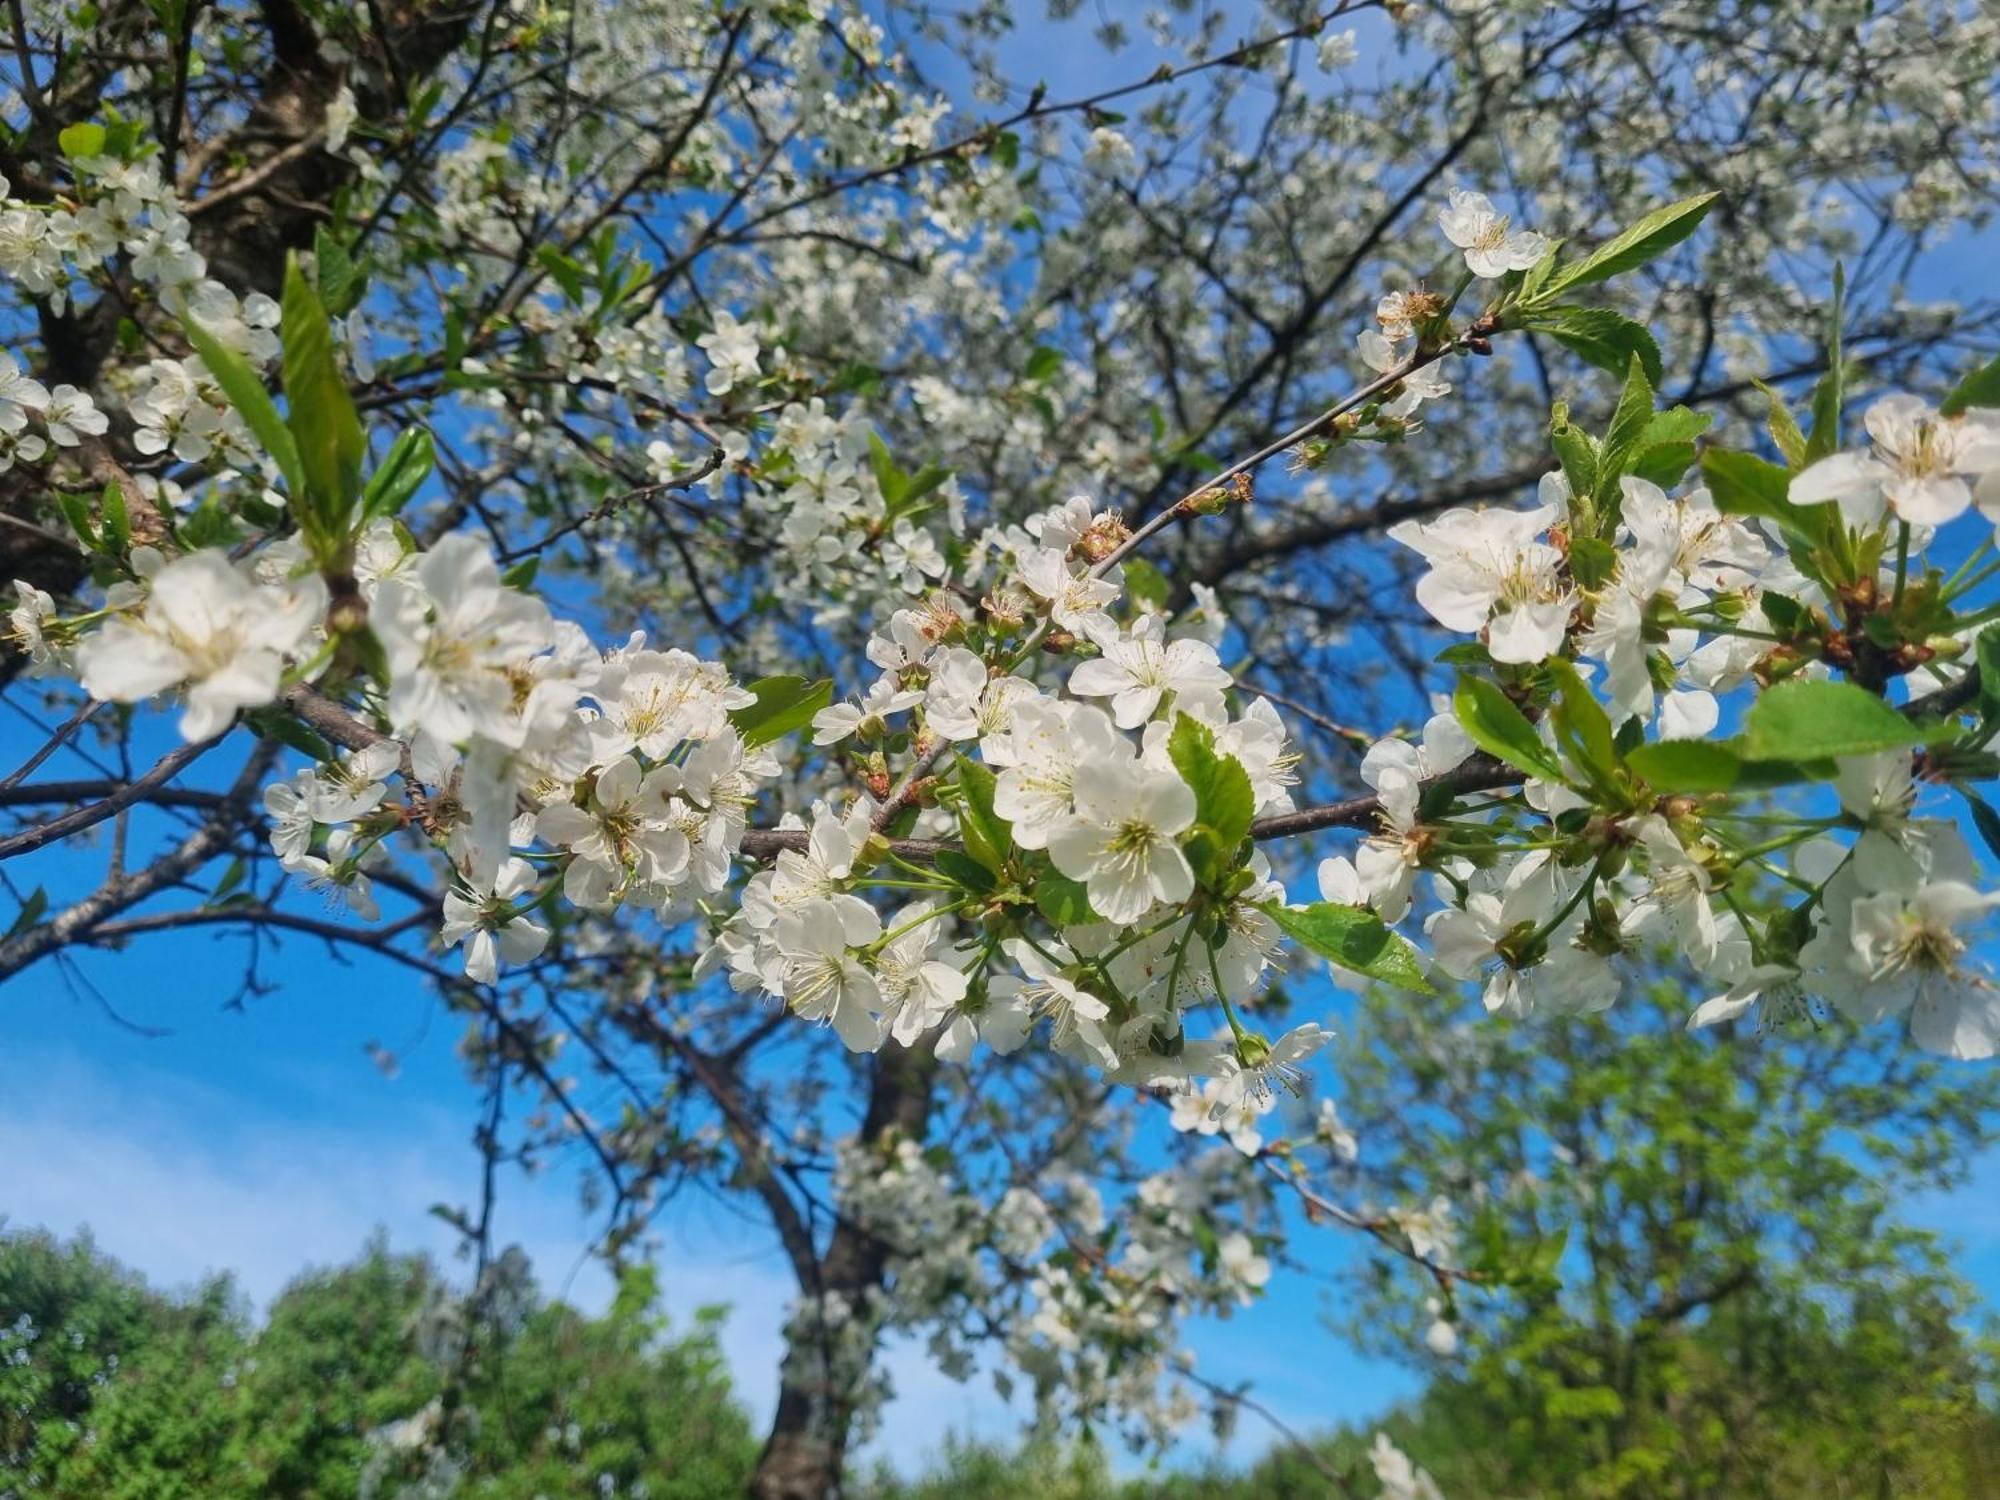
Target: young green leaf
(1601,337)
(1654,235)
(1223,798)
(989,838)
(1063,901)
(245,389)
(1353,937)
(1799,720)
(319,411)
(404,468)
(1783,426)
(1500,729)
(1831,393)
(784,704)
(1980,388)
(1742,484)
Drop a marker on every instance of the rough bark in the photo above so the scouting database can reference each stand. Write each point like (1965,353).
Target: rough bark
(807,1448)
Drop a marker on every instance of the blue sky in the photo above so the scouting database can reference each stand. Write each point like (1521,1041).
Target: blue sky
(262,1139)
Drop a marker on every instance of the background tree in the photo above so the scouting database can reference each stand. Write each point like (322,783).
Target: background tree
(1713,1292)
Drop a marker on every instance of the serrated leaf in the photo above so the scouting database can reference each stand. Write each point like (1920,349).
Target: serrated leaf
(989,838)
(30,913)
(404,468)
(245,389)
(1628,425)
(1582,724)
(1715,766)
(1502,730)
(1223,798)
(1353,937)
(342,279)
(1654,235)
(1042,364)
(276,724)
(1742,484)
(1592,562)
(1576,451)
(1830,394)
(1146,583)
(318,409)
(1609,340)
(1984,818)
(1783,426)
(117,519)
(1798,720)
(784,705)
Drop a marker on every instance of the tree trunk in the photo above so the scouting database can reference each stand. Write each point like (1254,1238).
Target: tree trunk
(806,1453)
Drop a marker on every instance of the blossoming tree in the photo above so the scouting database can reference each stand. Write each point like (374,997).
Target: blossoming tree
(766,582)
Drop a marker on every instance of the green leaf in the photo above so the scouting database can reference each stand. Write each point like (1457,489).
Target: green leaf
(989,838)
(523,572)
(273,723)
(1742,484)
(117,519)
(404,468)
(566,271)
(1583,726)
(1987,652)
(1353,937)
(1592,562)
(1798,720)
(76,509)
(1601,337)
(245,389)
(966,871)
(319,411)
(1715,766)
(1223,798)
(342,279)
(1146,583)
(1654,235)
(1783,426)
(1983,817)
(1537,276)
(1980,388)
(82,141)
(1628,424)
(889,479)
(1042,364)
(30,913)
(1576,450)
(784,704)
(1063,901)
(1500,729)
(1831,392)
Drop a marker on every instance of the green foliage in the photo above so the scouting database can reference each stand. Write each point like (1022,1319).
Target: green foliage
(784,705)
(1499,728)
(1651,237)
(1353,937)
(110,1391)
(1739,1312)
